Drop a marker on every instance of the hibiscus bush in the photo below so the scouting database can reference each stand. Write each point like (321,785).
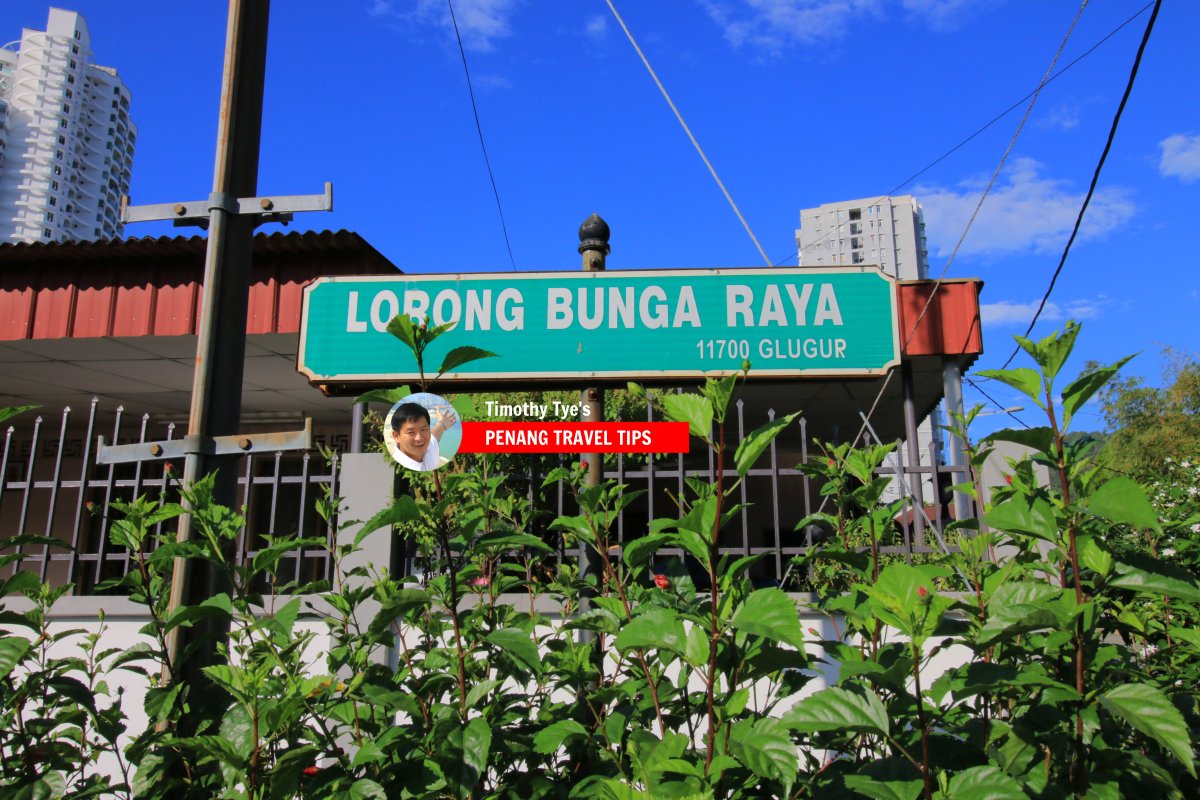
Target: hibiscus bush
(679,680)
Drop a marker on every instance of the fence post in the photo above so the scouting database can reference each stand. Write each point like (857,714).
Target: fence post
(366,483)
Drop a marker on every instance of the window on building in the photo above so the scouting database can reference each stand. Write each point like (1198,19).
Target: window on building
(856,213)
(73,64)
(58,170)
(75,49)
(66,108)
(53,201)
(49,216)
(47,232)
(70,79)
(76,34)
(58,154)
(54,185)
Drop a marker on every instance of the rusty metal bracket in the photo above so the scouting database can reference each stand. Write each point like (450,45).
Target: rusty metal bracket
(197,212)
(236,444)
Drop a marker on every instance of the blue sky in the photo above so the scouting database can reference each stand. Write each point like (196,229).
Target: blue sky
(796,102)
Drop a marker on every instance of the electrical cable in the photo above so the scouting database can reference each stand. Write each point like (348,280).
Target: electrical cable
(479,129)
(1112,132)
(993,121)
(994,402)
(1012,143)
(688,131)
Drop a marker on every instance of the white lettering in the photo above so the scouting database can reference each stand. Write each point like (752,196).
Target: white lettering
(416,304)
(479,310)
(513,320)
(657,318)
(772,310)
(590,323)
(620,305)
(738,298)
(353,323)
(558,309)
(827,306)
(685,309)
(800,304)
(379,319)
(446,297)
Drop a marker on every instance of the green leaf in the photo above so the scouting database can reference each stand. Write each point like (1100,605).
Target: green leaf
(837,709)
(387,396)
(1052,351)
(597,619)
(1149,576)
(764,746)
(401,326)
(511,540)
(516,643)
(402,509)
(473,742)
(1022,514)
(463,355)
(985,783)
(1025,380)
(657,628)
(693,409)
(770,613)
(12,650)
(718,391)
(640,550)
(11,411)
(1039,439)
(1086,385)
(753,446)
(1150,711)
(884,790)
(552,737)
(1122,500)
(1095,556)
(367,789)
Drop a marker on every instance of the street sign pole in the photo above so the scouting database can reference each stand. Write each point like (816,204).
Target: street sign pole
(593,246)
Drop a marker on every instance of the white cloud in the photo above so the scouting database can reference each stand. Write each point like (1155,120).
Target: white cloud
(1024,211)
(774,23)
(941,15)
(1008,313)
(480,22)
(1180,157)
(596,27)
(1063,118)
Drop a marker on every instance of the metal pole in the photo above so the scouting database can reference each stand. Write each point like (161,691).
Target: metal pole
(593,247)
(956,452)
(356,427)
(221,345)
(914,449)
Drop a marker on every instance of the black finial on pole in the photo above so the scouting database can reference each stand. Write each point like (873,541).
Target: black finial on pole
(593,235)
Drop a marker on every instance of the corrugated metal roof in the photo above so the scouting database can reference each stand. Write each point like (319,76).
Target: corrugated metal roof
(152,286)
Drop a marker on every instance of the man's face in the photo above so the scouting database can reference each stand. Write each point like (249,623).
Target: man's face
(413,438)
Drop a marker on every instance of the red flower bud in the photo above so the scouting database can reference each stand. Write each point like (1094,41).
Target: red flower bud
(814,631)
(89,505)
(829,461)
(1008,479)
(311,771)
(481,581)
(922,591)
(168,468)
(662,581)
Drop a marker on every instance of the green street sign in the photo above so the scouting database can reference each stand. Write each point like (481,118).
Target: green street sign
(608,326)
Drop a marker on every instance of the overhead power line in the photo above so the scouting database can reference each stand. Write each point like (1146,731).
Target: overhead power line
(479,129)
(1112,132)
(990,123)
(1012,143)
(688,131)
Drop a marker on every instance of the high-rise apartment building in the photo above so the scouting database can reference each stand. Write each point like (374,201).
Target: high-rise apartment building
(884,231)
(888,231)
(66,139)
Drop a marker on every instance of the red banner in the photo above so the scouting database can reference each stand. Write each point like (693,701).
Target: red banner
(574,437)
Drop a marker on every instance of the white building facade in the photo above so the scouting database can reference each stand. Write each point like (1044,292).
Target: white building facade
(66,138)
(884,231)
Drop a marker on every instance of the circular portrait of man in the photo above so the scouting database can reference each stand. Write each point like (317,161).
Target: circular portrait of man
(422,432)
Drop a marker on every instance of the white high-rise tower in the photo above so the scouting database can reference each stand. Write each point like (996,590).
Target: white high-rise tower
(66,139)
(884,231)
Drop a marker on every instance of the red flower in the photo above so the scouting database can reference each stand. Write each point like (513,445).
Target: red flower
(922,591)
(1008,479)
(662,581)
(168,468)
(310,772)
(481,581)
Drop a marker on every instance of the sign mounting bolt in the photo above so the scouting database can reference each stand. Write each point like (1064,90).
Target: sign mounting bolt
(266,204)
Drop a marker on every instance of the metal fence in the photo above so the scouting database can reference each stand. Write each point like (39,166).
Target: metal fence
(50,486)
